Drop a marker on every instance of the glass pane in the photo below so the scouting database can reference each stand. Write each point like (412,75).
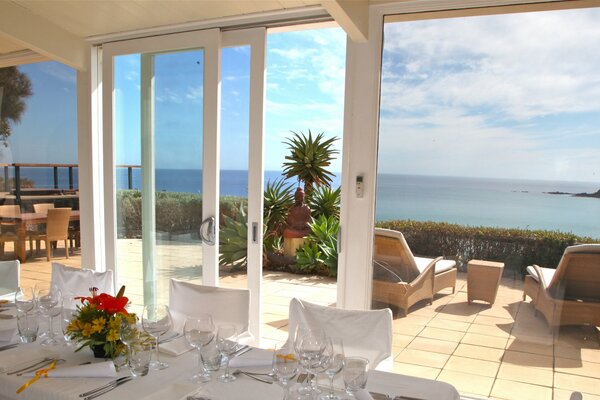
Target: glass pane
(176,251)
(235,100)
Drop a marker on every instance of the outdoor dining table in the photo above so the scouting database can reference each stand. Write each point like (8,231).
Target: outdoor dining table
(172,383)
(24,219)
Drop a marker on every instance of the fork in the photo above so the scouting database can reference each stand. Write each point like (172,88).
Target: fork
(114,382)
(35,365)
(43,364)
(249,375)
(111,386)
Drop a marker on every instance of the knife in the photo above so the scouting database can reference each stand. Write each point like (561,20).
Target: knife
(108,389)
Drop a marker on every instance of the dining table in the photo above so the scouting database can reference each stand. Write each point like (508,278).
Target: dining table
(23,220)
(173,382)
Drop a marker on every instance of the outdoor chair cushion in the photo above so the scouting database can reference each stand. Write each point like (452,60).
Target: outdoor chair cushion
(548,273)
(440,266)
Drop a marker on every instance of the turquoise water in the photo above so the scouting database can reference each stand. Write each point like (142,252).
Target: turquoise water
(489,202)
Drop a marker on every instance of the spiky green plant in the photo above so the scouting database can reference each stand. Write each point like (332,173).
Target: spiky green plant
(277,201)
(309,159)
(324,201)
(233,240)
(320,248)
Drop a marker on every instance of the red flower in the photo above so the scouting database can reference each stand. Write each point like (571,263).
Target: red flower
(106,302)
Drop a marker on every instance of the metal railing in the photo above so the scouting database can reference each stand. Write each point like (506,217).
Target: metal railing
(129,173)
(17,176)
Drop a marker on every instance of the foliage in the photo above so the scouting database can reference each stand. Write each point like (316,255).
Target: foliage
(278,199)
(15,86)
(23,182)
(324,201)
(98,322)
(233,240)
(320,249)
(309,158)
(517,248)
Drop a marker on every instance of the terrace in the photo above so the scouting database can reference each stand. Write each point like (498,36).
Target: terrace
(502,351)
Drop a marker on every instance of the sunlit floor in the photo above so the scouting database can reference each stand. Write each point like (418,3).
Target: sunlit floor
(502,351)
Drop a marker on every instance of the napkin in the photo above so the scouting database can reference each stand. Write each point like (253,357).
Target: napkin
(175,347)
(253,358)
(105,369)
(363,394)
(6,335)
(22,356)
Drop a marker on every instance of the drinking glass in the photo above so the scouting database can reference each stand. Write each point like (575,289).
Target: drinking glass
(355,373)
(333,363)
(199,331)
(285,367)
(139,358)
(156,321)
(309,345)
(24,300)
(227,344)
(129,334)
(49,301)
(28,327)
(67,316)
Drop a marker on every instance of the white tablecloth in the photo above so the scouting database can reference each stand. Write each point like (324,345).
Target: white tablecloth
(171,383)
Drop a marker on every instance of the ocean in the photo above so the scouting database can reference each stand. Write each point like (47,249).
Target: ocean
(507,203)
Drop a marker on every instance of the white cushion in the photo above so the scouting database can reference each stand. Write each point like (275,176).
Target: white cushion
(78,281)
(9,277)
(364,333)
(226,306)
(547,273)
(440,266)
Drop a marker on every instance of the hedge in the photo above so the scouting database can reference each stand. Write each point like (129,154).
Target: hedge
(517,248)
(175,212)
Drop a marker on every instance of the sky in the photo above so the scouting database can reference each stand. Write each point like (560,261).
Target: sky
(510,96)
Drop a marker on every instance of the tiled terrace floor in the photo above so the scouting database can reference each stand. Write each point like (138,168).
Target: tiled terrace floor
(502,351)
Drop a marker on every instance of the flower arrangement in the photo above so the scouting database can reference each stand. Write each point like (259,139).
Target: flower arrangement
(98,323)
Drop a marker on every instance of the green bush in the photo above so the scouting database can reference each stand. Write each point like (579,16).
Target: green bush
(324,200)
(517,248)
(233,240)
(319,252)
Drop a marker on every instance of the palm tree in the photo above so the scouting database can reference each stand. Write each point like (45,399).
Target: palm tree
(309,158)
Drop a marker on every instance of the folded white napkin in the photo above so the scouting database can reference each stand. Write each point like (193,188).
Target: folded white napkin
(6,335)
(363,394)
(175,347)
(22,356)
(105,369)
(253,358)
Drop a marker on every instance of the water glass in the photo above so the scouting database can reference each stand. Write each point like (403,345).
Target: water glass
(309,345)
(139,359)
(333,362)
(285,367)
(199,331)
(67,316)
(156,321)
(227,345)
(28,326)
(24,300)
(356,370)
(49,301)
(211,357)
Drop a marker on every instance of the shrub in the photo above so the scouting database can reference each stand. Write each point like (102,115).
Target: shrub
(233,240)
(517,248)
(324,201)
(320,249)
(278,199)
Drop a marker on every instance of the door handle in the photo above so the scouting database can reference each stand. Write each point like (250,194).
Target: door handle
(207,231)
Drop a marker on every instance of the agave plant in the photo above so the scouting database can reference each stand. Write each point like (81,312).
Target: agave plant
(308,159)
(320,248)
(324,201)
(277,201)
(233,240)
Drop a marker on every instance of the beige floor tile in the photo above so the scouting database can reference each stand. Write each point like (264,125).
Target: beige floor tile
(442,334)
(527,359)
(577,367)
(434,345)
(484,340)
(440,322)
(419,371)
(519,373)
(412,319)
(472,366)
(479,352)
(576,382)
(401,340)
(420,357)
(407,329)
(490,330)
(520,391)
(561,394)
(529,346)
(467,383)
(498,311)
(486,320)
(577,353)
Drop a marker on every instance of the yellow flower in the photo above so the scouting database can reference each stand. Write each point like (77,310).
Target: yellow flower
(113,335)
(86,329)
(130,318)
(73,326)
(98,324)
(115,323)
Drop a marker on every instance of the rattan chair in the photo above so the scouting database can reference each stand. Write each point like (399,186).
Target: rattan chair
(57,228)
(8,230)
(569,294)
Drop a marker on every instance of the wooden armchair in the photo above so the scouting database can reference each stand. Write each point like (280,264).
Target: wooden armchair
(569,294)
(57,228)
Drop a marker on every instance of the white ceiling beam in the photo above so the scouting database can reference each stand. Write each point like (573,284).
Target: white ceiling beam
(352,16)
(20,57)
(40,35)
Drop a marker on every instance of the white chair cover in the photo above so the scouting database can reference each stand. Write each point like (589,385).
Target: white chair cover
(78,281)
(364,333)
(226,306)
(9,277)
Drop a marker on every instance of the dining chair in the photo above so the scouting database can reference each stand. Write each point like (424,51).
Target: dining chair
(365,333)
(226,306)
(8,230)
(78,281)
(57,228)
(42,207)
(9,278)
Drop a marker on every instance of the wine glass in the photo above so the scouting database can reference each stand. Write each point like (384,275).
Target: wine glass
(333,362)
(156,321)
(199,331)
(309,344)
(24,300)
(285,367)
(49,300)
(227,344)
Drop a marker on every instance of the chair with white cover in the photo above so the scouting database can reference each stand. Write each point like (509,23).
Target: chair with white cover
(78,281)
(9,278)
(365,333)
(226,306)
